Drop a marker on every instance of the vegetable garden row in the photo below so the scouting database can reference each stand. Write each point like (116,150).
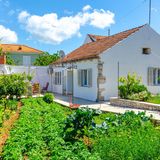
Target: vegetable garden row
(50,131)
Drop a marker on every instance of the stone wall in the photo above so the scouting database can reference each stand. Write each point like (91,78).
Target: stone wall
(134,104)
(101,79)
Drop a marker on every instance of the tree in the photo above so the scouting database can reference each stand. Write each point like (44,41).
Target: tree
(9,59)
(45,59)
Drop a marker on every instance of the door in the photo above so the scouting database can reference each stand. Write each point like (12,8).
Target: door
(70,82)
(26,60)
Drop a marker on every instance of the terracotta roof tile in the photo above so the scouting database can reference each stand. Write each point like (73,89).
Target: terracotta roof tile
(18,48)
(93,49)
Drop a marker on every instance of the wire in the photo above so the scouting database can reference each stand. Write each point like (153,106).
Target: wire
(132,10)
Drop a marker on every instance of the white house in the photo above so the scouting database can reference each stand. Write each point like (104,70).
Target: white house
(92,71)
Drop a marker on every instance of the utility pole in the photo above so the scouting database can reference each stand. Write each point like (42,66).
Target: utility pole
(109,32)
(118,77)
(150,5)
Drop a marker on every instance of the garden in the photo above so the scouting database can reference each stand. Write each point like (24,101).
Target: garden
(131,88)
(41,129)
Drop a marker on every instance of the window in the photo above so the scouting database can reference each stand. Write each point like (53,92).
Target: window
(58,78)
(26,60)
(85,77)
(154,76)
(146,50)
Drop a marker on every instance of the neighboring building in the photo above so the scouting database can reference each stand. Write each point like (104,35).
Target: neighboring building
(21,54)
(92,71)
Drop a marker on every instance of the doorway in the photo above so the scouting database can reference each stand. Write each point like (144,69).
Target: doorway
(70,82)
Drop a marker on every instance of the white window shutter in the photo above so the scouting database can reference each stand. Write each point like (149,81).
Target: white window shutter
(150,76)
(79,78)
(90,77)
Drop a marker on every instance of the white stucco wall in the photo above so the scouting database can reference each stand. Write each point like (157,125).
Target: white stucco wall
(89,93)
(129,55)
(39,73)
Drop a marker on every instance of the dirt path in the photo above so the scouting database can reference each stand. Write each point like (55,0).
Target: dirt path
(7,125)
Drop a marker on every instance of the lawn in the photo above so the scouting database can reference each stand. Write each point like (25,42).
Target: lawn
(154,99)
(50,131)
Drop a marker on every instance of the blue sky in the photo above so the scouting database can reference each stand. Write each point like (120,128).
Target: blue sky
(52,25)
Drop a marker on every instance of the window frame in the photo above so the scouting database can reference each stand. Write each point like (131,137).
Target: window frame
(154,76)
(146,51)
(156,81)
(84,78)
(58,78)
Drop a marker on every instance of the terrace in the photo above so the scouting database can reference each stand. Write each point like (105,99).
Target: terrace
(103,106)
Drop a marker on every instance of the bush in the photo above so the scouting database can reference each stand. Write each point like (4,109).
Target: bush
(131,88)
(141,96)
(78,124)
(48,97)
(46,59)
(12,85)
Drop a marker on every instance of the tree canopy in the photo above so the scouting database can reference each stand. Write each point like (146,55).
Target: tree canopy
(9,59)
(45,59)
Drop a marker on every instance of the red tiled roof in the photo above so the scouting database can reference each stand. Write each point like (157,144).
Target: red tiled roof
(93,49)
(18,48)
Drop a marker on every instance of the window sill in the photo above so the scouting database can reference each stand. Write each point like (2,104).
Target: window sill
(85,86)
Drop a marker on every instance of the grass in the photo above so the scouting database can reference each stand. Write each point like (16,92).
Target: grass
(154,99)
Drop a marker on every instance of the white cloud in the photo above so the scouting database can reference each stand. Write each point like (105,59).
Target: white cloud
(23,16)
(101,18)
(86,8)
(7,35)
(49,28)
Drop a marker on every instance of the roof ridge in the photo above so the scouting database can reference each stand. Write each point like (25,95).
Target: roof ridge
(128,30)
(96,35)
(93,49)
(90,34)
(21,45)
(32,48)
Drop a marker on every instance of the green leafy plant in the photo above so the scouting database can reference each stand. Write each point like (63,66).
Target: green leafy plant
(39,134)
(48,97)
(12,85)
(78,124)
(132,88)
(9,59)
(46,59)
(129,136)
(141,96)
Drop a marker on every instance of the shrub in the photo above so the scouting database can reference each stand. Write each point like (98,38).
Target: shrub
(132,88)
(48,97)
(78,124)
(141,96)
(46,59)
(12,85)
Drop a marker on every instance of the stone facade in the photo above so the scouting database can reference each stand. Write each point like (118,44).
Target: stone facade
(100,80)
(134,104)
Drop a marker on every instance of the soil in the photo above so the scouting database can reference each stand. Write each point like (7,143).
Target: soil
(7,126)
